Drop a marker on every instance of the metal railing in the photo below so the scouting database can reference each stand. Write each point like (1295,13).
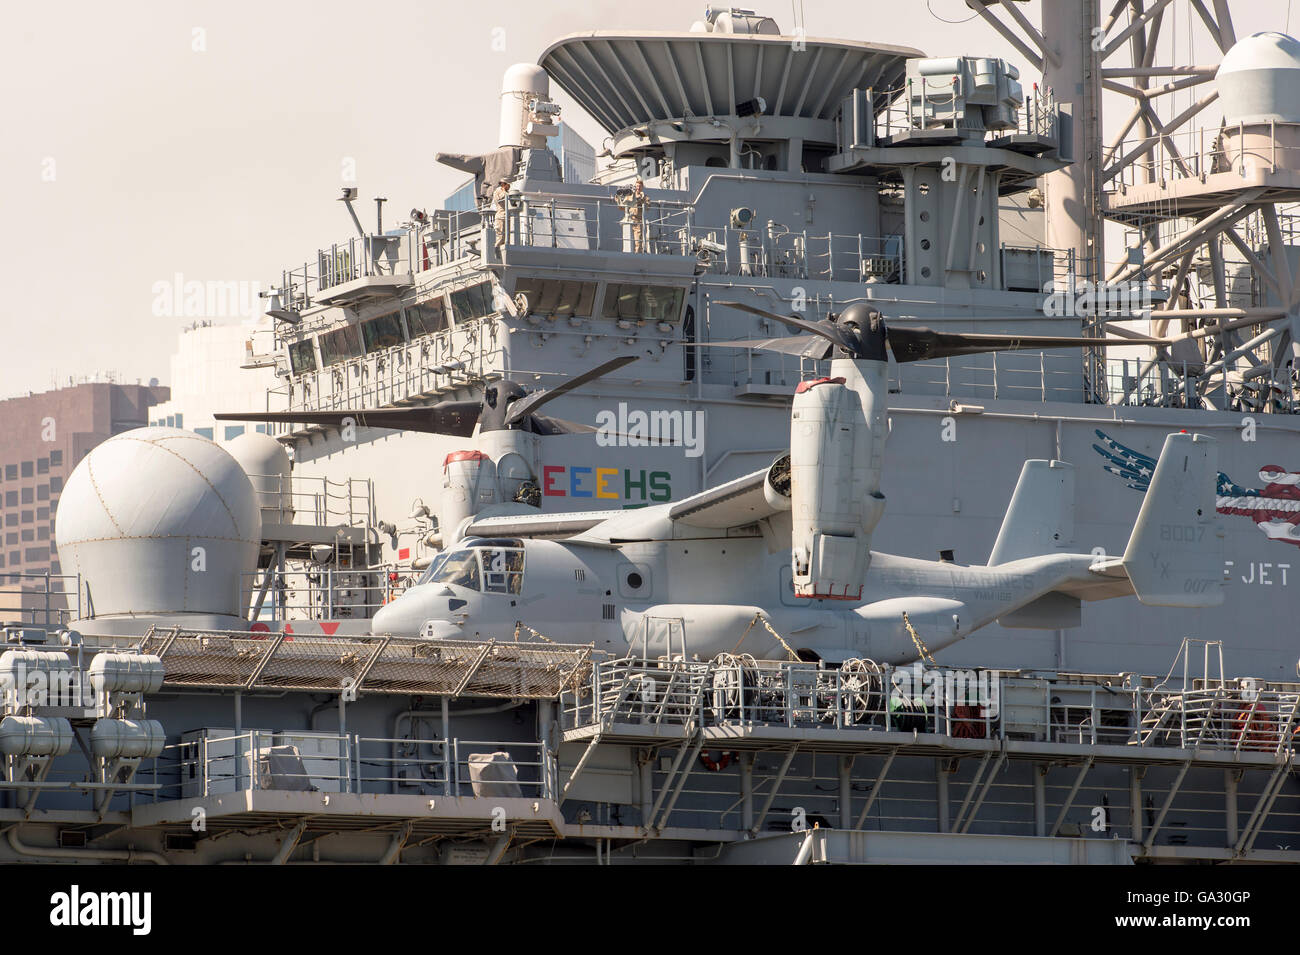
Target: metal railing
(413,248)
(935,107)
(1223,717)
(319,593)
(259,760)
(315,500)
(668,228)
(424,365)
(40,599)
(1078,709)
(1045,376)
(1196,153)
(1169,384)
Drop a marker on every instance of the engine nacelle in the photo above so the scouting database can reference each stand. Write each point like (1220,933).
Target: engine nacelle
(837,438)
(469,484)
(776,486)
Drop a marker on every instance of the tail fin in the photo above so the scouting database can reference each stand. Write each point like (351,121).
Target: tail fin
(1040,518)
(1174,556)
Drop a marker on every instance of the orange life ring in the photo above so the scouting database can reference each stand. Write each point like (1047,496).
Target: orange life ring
(1256,728)
(968,722)
(714,765)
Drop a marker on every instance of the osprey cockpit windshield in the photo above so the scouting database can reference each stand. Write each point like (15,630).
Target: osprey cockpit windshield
(491,566)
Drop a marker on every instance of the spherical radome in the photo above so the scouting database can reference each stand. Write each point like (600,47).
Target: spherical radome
(159,521)
(525,77)
(267,465)
(1259,80)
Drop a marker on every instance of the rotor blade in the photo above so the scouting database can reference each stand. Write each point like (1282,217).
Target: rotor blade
(546,425)
(919,344)
(827,330)
(523,407)
(446,417)
(802,345)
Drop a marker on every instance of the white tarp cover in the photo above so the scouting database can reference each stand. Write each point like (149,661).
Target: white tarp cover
(494,774)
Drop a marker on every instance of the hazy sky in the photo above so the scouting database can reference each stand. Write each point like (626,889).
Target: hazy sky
(208,139)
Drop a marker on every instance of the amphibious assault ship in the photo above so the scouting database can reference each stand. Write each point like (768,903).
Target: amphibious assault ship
(224,685)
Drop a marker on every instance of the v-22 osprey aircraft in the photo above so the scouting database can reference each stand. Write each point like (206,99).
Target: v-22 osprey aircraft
(778,562)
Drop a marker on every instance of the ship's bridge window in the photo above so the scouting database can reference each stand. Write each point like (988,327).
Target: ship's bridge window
(340,345)
(557,299)
(643,303)
(473,302)
(302,357)
(382,332)
(426,318)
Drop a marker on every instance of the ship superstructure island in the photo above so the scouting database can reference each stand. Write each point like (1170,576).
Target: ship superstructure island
(808,483)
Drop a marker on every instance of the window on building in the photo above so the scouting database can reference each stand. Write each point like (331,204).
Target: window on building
(28,517)
(426,318)
(11,472)
(11,498)
(11,538)
(29,495)
(28,535)
(474,302)
(180,421)
(11,519)
(56,459)
(171,421)
(15,558)
(28,469)
(302,357)
(234,431)
(56,482)
(643,303)
(340,345)
(557,299)
(42,465)
(42,513)
(42,492)
(43,532)
(201,432)
(35,555)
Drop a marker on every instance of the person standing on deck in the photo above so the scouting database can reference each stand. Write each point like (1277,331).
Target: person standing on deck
(500,202)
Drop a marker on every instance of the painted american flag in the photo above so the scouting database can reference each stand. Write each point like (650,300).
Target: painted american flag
(1274,508)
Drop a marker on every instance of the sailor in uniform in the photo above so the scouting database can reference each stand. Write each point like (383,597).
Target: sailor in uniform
(500,202)
(634,205)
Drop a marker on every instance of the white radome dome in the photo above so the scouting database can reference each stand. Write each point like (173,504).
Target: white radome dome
(159,522)
(1259,80)
(266,462)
